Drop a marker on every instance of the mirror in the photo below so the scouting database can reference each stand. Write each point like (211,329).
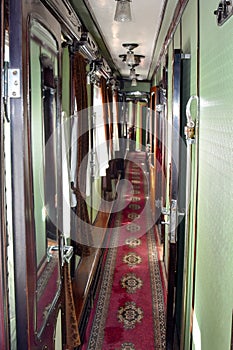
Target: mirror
(43,120)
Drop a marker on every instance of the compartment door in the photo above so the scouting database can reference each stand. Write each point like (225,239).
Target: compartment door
(4,320)
(177,202)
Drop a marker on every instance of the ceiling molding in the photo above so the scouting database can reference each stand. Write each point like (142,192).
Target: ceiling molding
(89,22)
(171,30)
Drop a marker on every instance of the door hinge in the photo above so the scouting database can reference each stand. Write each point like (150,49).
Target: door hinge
(11,82)
(185,56)
(13,88)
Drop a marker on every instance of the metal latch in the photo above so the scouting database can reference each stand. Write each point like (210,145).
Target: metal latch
(165,211)
(173,221)
(159,108)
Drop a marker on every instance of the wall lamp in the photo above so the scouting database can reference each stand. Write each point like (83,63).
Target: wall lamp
(123,11)
(224,11)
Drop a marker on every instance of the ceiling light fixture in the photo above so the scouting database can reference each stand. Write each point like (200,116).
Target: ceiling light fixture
(130,60)
(132,73)
(123,11)
(134,82)
(137,59)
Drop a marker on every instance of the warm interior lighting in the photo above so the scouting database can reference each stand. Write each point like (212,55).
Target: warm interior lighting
(123,11)
(130,58)
(134,82)
(132,73)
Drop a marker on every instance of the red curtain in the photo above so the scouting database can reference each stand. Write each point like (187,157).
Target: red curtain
(82,229)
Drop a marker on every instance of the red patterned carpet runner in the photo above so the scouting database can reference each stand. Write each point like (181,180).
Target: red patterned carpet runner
(130,310)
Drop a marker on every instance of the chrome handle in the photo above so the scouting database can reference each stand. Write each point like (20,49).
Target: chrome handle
(67,254)
(50,250)
(165,222)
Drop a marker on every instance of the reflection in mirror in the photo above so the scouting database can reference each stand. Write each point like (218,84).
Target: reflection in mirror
(43,98)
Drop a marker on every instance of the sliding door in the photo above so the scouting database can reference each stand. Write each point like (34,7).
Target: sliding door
(4,311)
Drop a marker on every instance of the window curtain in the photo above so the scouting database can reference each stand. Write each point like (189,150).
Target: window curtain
(110,119)
(116,135)
(106,98)
(99,136)
(82,228)
(103,86)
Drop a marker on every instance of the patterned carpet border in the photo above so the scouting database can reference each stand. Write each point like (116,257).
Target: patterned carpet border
(157,294)
(97,333)
(96,338)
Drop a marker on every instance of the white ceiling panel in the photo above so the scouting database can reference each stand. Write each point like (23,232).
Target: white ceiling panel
(143,30)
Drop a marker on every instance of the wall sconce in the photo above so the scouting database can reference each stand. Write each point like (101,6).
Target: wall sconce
(123,11)
(224,11)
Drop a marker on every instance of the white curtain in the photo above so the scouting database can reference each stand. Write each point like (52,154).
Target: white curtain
(100,144)
(116,146)
(73,155)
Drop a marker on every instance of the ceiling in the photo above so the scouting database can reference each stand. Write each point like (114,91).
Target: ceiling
(98,18)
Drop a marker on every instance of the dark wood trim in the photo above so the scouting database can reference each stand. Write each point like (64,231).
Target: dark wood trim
(67,17)
(87,277)
(18,185)
(172,268)
(25,270)
(4,321)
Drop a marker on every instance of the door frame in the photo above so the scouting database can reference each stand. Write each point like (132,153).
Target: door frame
(174,191)
(4,299)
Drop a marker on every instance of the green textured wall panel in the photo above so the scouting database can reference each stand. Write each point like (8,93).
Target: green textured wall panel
(189,46)
(214,282)
(177,43)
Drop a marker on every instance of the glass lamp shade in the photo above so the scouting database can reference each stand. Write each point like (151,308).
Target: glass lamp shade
(123,11)
(130,58)
(134,82)
(132,73)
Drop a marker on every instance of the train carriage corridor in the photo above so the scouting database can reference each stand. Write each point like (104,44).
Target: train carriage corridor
(130,308)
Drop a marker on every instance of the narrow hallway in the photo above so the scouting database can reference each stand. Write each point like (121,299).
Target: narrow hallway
(130,307)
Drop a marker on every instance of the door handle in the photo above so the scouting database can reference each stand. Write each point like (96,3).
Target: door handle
(165,222)
(50,251)
(189,129)
(173,221)
(67,253)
